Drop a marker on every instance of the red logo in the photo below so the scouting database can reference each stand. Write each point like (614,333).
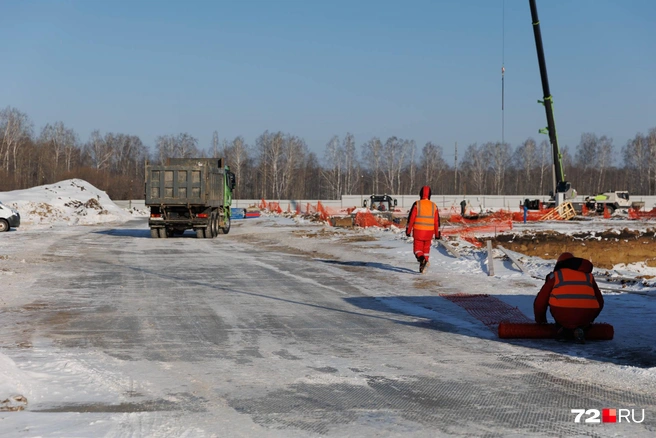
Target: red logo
(609,415)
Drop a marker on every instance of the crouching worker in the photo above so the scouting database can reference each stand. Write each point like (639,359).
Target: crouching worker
(423,223)
(572,296)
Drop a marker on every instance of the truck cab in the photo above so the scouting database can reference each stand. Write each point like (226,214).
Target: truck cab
(612,201)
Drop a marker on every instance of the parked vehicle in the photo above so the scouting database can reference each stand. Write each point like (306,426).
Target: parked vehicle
(611,201)
(189,193)
(8,218)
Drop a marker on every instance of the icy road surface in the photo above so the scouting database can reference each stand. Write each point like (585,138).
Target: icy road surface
(283,330)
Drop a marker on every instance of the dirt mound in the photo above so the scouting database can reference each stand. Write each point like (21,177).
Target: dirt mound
(605,248)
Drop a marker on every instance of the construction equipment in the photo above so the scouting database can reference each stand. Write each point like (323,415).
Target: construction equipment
(563,190)
(381,203)
(189,193)
(384,206)
(611,201)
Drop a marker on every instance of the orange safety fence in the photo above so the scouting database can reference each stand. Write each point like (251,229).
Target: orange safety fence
(500,215)
(637,214)
(465,228)
(310,209)
(468,231)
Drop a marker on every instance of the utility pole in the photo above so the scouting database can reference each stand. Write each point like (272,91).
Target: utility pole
(455,182)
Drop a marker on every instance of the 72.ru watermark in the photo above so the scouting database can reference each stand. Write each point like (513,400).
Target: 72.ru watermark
(608,415)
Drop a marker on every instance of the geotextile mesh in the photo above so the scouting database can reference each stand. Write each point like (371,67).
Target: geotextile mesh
(487,309)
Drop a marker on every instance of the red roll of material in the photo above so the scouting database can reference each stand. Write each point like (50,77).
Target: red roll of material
(513,330)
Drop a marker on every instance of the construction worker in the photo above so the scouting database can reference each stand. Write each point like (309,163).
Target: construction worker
(423,223)
(572,296)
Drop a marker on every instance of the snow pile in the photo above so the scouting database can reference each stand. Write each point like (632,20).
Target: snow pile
(69,202)
(12,386)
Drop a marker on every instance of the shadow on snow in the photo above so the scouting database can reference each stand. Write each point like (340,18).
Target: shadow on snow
(432,307)
(376,265)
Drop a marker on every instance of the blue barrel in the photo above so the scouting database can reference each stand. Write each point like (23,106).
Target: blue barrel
(237,213)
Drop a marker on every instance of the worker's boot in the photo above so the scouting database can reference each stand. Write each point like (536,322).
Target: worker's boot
(579,335)
(423,263)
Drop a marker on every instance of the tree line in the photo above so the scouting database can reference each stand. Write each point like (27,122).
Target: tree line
(281,166)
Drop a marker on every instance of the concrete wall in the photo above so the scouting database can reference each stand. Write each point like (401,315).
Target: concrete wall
(405,201)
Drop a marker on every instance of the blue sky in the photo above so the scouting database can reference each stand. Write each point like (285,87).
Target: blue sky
(425,70)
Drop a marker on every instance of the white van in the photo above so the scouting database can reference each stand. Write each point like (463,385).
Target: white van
(8,218)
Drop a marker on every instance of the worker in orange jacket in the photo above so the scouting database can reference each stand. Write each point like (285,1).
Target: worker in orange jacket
(423,223)
(572,296)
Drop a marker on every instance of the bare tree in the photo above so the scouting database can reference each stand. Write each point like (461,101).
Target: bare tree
(333,173)
(271,162)
(586,161)
(99,151)
(294,152)
(604,160)
(526,159)
(177,146)
(215,145)
(545,157)
(432,165)
(395,154)
(236,156)
(372,152)
(411,148)
(497,155)
(165,146)
(16,129)
(186,146)
(651,146)
(474,165)
(350,163)
(637,162)
(60,142)
(129,150)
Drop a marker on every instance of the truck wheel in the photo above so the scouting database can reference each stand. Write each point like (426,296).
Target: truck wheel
(200,233)
(215,225)
(163,234)
(154,233)
(4,225)
(209,231)
(611,209)
(226,226)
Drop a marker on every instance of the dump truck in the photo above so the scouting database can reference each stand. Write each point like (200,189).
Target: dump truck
(189,193)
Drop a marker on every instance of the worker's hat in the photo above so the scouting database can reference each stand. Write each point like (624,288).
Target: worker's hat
(565,256)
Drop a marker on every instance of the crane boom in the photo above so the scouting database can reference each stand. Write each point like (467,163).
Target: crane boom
(560,185)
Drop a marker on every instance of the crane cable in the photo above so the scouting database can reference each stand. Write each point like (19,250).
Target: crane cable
(503,68)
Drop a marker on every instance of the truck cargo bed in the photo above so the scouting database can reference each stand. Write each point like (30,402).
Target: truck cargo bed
(185,182)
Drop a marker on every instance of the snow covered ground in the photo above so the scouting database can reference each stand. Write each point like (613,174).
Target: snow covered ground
(45,372)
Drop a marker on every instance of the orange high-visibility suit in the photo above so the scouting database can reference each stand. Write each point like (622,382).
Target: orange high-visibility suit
(423,224)
(571,293)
